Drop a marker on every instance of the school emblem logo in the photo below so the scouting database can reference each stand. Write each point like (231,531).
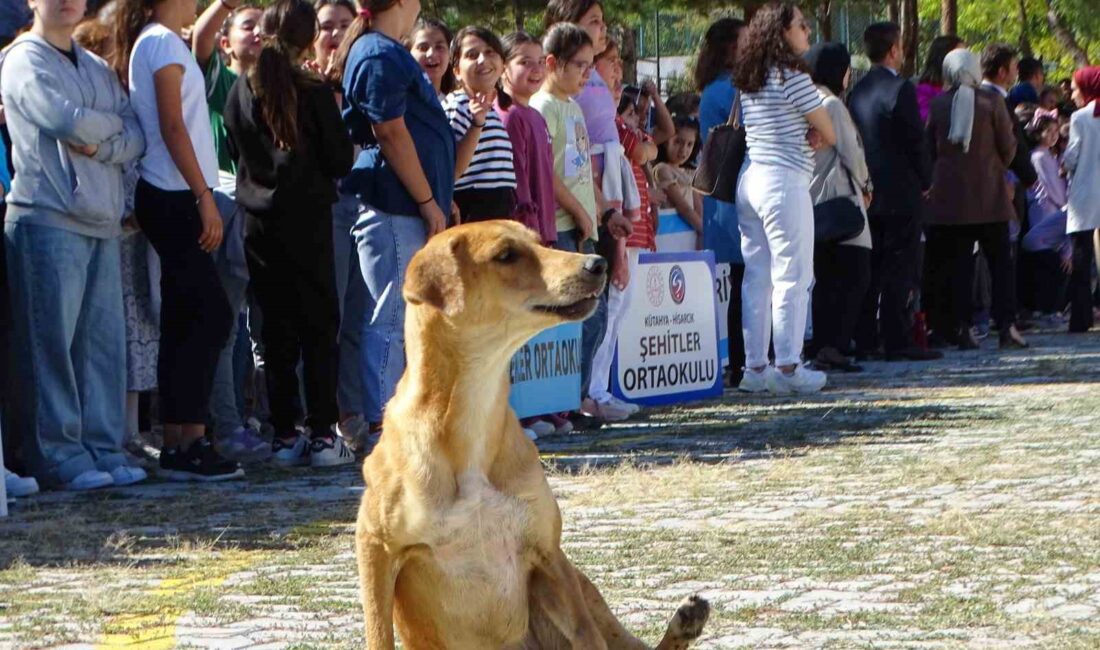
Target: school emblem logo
(655,287)
(677,284)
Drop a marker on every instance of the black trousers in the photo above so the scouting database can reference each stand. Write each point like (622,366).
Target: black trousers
(885,316)
(841,277)
(733,321)
(1048,284)
(957,243)
(1080,282)
(195,317)
(290,261)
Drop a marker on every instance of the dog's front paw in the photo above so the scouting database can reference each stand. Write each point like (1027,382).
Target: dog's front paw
(687,624)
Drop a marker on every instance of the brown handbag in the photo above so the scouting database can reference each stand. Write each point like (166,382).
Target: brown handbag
(722,157)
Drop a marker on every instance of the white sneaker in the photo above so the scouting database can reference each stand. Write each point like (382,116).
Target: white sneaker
(354,431)
(19,486)
(801,381)
(289,454)
(626,406)
(542,428)
(755,382)
(330,451)
(608,412)
(128,475)
(90,480)
(531,435)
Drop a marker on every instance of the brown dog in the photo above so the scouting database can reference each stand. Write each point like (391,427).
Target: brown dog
(459,535)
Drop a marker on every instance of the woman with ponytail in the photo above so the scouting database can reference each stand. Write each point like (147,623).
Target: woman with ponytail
(404,177)
(290,145)
(174,205)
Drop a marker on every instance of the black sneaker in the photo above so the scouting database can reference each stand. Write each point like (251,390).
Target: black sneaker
(169,459)
(200,463)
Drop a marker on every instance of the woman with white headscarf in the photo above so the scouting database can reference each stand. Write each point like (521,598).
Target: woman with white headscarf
(970,135)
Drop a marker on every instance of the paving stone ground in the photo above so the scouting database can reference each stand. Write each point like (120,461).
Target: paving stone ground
(953,504)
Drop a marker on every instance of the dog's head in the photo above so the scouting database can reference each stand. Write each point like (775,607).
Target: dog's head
(496,273)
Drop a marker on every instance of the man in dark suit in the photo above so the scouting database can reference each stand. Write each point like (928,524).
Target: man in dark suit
(1000,64)
(884,107)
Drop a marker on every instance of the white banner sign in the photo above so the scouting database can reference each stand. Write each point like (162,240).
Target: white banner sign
(668,341)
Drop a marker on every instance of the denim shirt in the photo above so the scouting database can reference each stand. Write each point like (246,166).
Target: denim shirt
(384,82)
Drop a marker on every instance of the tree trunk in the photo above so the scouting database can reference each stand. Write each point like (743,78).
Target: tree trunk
(910,37)
(628,51)
(517,12)
(949,17)
(1025,42)
(892,11)
(750,7)
(1065,36)
(825,20)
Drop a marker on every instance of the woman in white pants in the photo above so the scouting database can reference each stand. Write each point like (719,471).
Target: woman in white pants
(780,106)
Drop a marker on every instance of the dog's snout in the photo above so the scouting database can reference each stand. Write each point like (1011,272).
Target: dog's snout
(595,265)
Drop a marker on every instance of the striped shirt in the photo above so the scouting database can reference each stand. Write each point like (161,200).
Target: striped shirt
(492,166)
(775,122)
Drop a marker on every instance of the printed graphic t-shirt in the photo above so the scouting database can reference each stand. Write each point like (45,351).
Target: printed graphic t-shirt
(572,160)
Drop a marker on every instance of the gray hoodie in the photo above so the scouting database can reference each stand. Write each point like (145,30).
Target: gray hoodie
(49,103)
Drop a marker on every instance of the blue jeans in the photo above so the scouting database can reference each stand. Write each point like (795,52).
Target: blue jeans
(386,244)
(592,332)
(352,295)
(225,411)
(68,391)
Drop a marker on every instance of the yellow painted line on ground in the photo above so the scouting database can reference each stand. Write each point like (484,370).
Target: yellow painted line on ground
(158,631)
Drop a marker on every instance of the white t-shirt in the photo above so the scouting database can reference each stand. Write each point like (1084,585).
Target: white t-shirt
(156,48)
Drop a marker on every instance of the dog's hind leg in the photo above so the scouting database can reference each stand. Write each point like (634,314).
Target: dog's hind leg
(559,618)
(684,628)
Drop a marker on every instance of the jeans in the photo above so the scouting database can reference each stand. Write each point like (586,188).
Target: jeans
(195,317)
(599,388)
(289,256)
(225,411)
(68,390)
(594,328)
(386,244)
(352,295)
(776,219)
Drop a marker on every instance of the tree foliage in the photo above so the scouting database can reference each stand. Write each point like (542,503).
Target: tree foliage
(1026,22)
(1018,21)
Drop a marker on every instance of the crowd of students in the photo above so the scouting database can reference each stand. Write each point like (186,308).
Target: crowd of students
(259,181)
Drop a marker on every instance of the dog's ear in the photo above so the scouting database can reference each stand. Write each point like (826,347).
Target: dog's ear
(434,278)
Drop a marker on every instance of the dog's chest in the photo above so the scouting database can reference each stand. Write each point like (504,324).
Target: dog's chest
(482,549)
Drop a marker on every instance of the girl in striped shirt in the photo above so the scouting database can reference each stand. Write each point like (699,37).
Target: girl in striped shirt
(485,186)
(775,213)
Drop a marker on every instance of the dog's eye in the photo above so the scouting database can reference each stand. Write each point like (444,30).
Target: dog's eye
(506,256)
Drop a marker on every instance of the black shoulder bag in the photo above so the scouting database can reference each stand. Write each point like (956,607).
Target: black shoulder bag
(839,219)
(722,157)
